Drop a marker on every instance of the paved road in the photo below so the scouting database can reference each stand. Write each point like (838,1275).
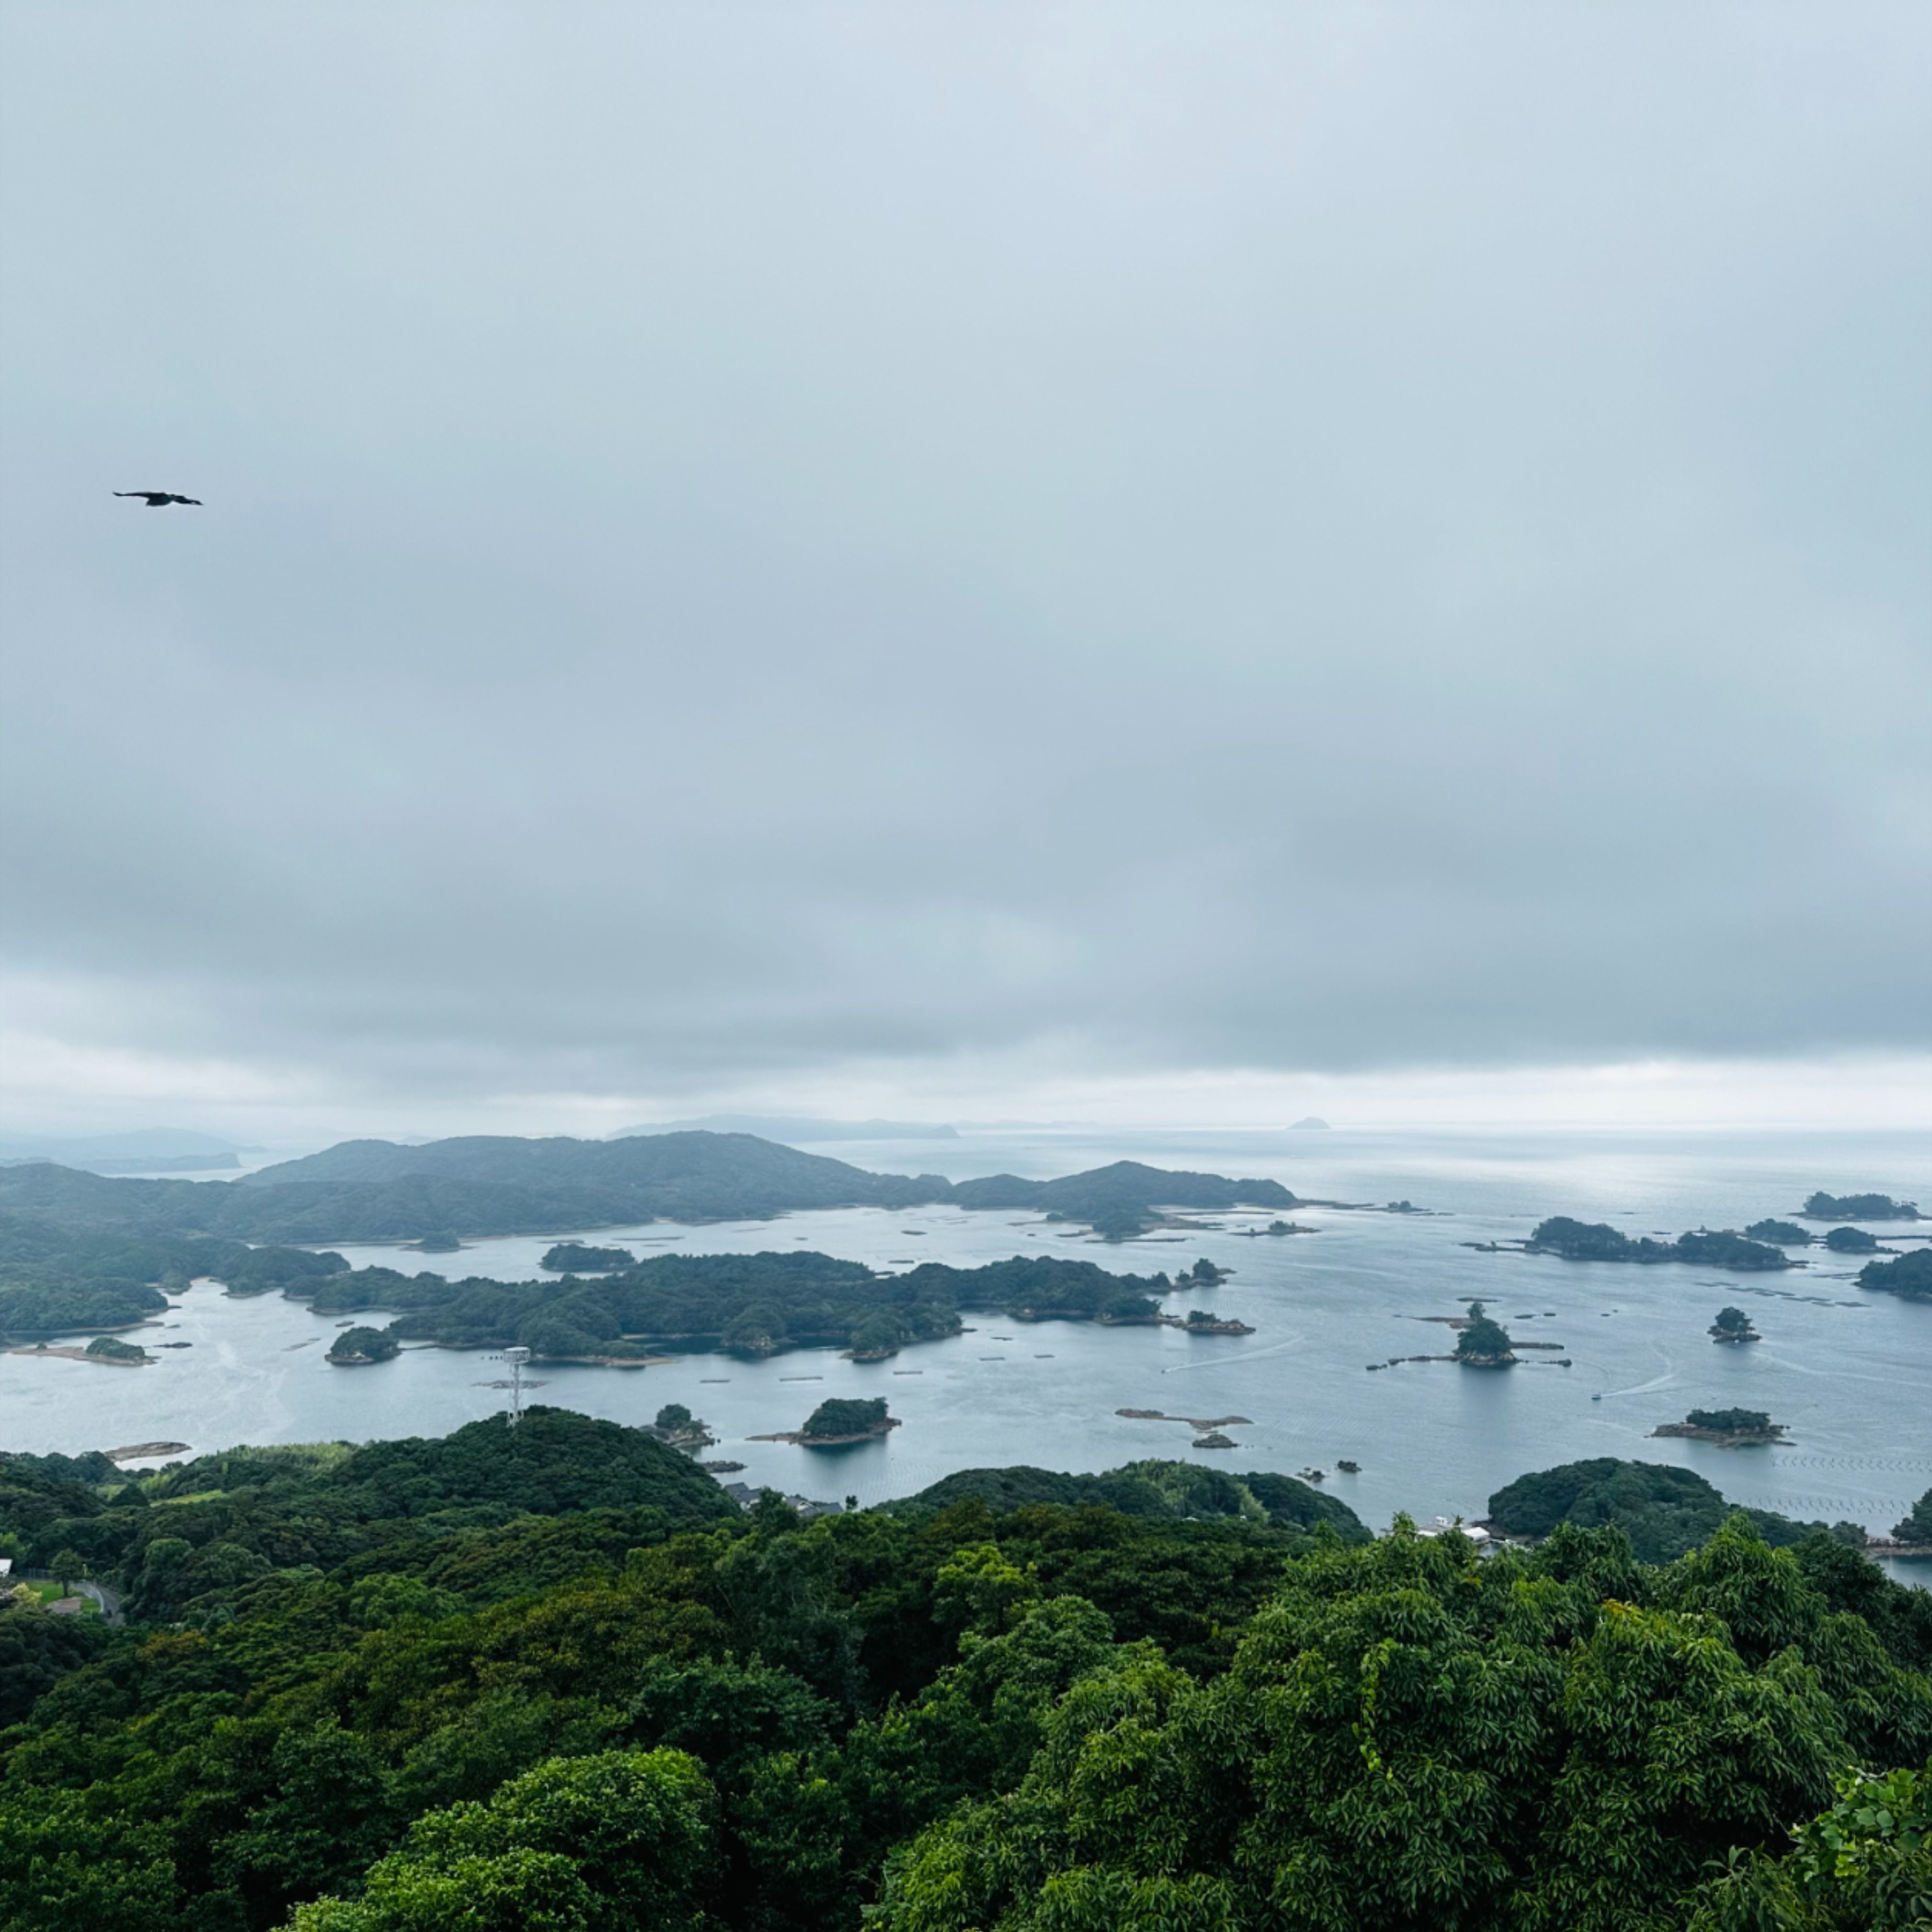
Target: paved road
(107,1601)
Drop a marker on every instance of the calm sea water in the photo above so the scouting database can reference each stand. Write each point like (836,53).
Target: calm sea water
(1850,1373)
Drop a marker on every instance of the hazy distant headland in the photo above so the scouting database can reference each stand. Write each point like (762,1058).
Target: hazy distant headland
(82,1253)
(788,1129)
(155,1150)
(490,1184)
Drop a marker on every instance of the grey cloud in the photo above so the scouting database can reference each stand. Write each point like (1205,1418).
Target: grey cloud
(745,539)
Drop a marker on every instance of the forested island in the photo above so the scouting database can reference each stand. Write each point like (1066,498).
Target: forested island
(1851,1241)
(112,1348)
(1597,1241)
(677,1426)
(1731,1428)
(554,1680)
(1122,1199)
(56,1279)
(751,1304)
(1860,1207)
(1780,1234)
(1481,1343)
(1732,1326)
(842,1420)
(81,1253)
(357,1347)
(1909,1276)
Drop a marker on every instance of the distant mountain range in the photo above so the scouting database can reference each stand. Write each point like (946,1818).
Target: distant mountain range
(148,1150)
(791,1128)
(496,1184)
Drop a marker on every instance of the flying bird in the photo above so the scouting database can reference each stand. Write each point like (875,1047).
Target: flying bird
(159,500)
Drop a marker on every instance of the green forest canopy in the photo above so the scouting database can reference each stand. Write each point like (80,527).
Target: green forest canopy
(1665,1511)
(552,1680)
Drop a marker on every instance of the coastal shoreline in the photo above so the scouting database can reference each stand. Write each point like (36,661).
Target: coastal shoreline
(48,1350)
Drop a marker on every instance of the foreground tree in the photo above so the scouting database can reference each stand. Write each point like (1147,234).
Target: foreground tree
(615,1843)
(1413,1741)
(1917,1526)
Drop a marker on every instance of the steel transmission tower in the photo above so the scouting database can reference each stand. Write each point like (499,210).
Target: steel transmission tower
(516,1358)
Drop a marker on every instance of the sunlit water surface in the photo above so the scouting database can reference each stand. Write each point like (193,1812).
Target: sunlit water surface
(1851,1373)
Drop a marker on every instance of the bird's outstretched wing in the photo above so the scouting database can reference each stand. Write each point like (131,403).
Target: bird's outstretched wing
(156,500)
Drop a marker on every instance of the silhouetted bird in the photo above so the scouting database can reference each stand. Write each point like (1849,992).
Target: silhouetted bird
(159,500)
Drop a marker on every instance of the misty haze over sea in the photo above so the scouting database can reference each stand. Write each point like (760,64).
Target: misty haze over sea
(965,968)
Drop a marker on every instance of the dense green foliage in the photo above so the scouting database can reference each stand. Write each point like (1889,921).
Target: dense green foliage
(755,1303)
(37,1651)
(1731,1323)
(1910,1276)
(1149,1489)
(845,1415)
(1860,1207)
(620,1837)
(527,1681)
(1917,1526)
(1664,1511)
(1860,1866)
(204,1526)
(1405,1738)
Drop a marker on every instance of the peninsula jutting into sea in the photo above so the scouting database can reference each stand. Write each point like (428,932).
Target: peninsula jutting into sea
(92,1254)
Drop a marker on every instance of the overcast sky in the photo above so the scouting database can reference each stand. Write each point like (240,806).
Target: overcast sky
(789,553)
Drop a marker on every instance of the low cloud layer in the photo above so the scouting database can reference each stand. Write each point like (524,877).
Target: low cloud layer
(740,544)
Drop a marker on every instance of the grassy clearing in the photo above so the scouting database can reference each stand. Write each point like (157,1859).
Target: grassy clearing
(48,1592)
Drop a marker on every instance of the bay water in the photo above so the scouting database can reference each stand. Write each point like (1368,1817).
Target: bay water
(1850,1372)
